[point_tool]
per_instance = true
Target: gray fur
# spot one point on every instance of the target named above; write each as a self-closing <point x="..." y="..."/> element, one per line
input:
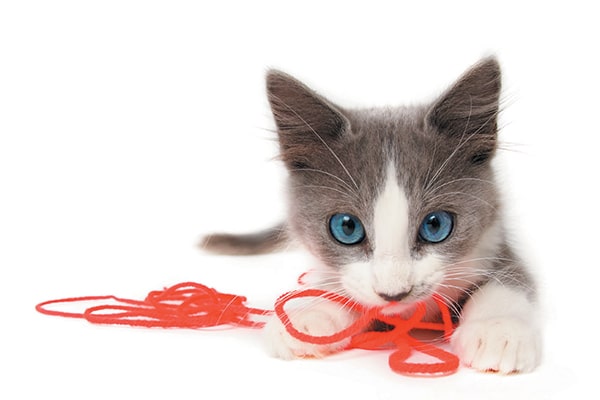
<point x="337" y="160"/>
<point x="263" y="242"/>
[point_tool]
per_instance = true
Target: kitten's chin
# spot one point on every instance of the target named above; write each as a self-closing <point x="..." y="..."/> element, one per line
<point x="387" y="307"/>
<point x="398" y="308"/>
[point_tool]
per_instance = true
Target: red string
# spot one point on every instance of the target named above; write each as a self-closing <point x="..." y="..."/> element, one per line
<point x="185" y="305"/>
<point x="370" y="340"/>
<point x="193" y="305"/>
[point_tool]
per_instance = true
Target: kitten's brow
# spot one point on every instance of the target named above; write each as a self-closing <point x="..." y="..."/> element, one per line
<point x="463" y="194"/>
<point x="349" y="195"/>
<point x="328" y="174"/>
<point x="435" y="189"/>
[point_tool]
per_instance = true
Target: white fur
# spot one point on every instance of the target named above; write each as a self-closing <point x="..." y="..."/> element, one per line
<point x="391" y="249"/>
<point x="391" y="270"/>
<point x="390" y="219"/>
<point x="499" y="331"/>
<point x="320" y="319"/>
<point x="499" y="328"/>
<point x="460" y="275"/>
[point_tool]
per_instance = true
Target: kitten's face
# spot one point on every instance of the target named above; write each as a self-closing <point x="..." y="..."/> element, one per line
<point x="392" y="200"/>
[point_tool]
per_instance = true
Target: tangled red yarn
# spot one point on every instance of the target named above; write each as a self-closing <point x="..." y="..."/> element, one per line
<point x="185" y="305"/>
<point x="193" y="305"/>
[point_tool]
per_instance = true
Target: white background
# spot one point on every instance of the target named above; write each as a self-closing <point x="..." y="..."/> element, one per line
<point x="128" y="129"/>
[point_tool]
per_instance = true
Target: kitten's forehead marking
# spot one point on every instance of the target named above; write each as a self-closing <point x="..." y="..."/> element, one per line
<point x="391" y="219"/>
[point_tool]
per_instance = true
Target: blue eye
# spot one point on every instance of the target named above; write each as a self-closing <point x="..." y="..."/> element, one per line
<point x="436" y="227"/>
<point x="346" y="229"/>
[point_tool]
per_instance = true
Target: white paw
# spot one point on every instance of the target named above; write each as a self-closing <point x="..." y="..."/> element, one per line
<point x="503" y="344"/>
<point x="323" y="320"/>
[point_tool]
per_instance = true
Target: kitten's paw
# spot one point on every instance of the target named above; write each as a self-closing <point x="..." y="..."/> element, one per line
<point x="320" y="321"/>
<point x="504" y="344"/>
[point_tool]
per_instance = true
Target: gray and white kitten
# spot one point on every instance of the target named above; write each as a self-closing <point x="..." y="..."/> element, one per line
<point x="397" y="204"/>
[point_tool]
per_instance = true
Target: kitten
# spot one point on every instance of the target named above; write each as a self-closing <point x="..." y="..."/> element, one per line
<point x="398" y="204"/>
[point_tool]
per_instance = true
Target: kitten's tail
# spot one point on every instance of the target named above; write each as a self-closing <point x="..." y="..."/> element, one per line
<point x="263" y="242"/>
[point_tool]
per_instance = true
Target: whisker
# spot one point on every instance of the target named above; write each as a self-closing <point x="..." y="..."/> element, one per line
<point x="502" y="276"/>
<point x="449" y="302"/>
<point x="327" y="174"/>
<point x="464" y="194"/>
<point x="435" y="189"/>
<point x="321" y="139"/>
<point x="349" y="195"/>
<point x="461" y="143"/>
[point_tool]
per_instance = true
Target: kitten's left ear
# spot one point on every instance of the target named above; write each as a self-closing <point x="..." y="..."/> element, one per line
<point x="307" y="123"/>
<point x="469" y="109"/>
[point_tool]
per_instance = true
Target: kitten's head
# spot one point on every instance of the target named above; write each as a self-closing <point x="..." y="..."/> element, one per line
<point x="391" y="199"/>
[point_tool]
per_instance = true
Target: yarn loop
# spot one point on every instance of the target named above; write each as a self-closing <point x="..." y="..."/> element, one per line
<point x="193" y="305"/>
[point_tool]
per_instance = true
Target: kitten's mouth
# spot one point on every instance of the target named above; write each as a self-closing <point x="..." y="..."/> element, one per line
<point x="397" y="297"/>
<point x="399" y="302"/>
<point x="408" y="303"/>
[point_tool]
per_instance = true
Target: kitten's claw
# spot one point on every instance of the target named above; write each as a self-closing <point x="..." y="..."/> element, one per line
<point x="504" y="344"/>
<point x="323" y="320"/>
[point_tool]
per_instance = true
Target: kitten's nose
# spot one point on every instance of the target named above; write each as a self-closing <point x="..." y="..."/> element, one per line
<point x="393" y="297"/>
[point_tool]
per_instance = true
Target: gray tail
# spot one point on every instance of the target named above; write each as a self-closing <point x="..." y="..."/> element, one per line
<point x="263" y="242"/>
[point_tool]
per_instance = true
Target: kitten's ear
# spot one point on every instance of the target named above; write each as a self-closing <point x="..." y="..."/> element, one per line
<point x="306" y="122"/>
<point x="469" y="109"/>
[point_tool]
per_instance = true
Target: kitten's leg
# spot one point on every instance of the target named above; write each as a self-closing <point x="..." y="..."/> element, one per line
<point x="322" y="319"/>
<point x="499" y="331"/>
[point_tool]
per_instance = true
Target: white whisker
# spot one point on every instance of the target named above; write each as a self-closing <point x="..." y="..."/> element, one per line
<point x="463" y="194"/>
<point x="435" y="189"/>
<point x="349" y="195"/>
<point x="460" y="144"/>
<point x="321" y="139"/>
<point x="327" y="174"/>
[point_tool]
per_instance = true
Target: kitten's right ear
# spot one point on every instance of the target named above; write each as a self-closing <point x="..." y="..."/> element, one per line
<point x="472" y="103"/>
<point x="469" y="109"/>
<point x="307" y="123"/>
